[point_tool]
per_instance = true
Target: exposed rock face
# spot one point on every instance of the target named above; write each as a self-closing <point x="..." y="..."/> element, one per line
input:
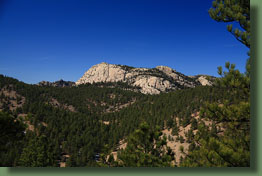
<point x="204" y="81"/>
<point x="60" y="83"/>
<point x="151" y="81"/>
<point x="13" y="101"/>
<point x="103" y="73"/>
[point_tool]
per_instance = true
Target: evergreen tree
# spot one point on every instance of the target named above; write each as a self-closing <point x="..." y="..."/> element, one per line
<point x="36" y="153"/>
<point x="194" y="124"/>
<point x="145" y="148"/>
<point x="230" y="11"/>
<point x="170" y="123"/>
<point x="11" y="136"/>
<point x="231" y="146"/>
<point x="11" y="129"/>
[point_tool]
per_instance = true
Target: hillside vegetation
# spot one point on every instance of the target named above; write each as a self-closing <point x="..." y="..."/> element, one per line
<point x="113" y="124"/>
<point x="98" y="119"/>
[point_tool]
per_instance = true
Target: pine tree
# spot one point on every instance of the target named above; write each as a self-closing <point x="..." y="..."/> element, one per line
<point x="11" y="129"/>
<point x="36" y="153"/>
<point x="146" y="148"/>
<point x="11" y="137"/>
<point x="170" y="123"/>
<point x="233" y="11"/>
<point x="229" y="147"/>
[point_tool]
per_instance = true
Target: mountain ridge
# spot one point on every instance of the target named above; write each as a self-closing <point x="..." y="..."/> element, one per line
<point x="59" y="83"/>
<point x="150" y="80"/>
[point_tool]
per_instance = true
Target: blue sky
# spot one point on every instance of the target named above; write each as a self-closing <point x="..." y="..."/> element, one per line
<point x="61" y="39"/>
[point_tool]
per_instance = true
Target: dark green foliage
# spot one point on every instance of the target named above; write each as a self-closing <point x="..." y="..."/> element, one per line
<point x="11" y="136"/>
<point x="126" y="67"/>
<point x="37" y="153"/>
<point x="175" y="130"/>
<point x="10" y="128"/>
<point x="227" y="142"/>
<point x="190" y="136"/>
<point x="186" y="120"/>
<point x="170" y="123"/>
<point x="230" y="11"/>
<point x="194" y="124"/>
<point x="232" y="147"/>
<point x="81" y="133"/>
<point x="145" y="148"/>
<point x="192" y="147"/>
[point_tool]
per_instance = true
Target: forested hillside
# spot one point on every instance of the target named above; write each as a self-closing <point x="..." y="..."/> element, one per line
<point x="74" y="124"/>
<point x="111" y="125"/>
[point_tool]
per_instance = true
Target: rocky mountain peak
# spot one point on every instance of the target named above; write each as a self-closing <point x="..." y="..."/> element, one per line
<point x="165" y="69"/>
<point x="150" y="80"/>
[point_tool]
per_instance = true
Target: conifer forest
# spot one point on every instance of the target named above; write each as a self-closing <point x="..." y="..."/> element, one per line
<point x="112" y="125"/>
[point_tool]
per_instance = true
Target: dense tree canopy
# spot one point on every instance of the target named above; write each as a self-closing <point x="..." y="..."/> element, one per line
<point x="11" y="136"/>
<point x="97" y="119"/>
<point x="145" y="148"/>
